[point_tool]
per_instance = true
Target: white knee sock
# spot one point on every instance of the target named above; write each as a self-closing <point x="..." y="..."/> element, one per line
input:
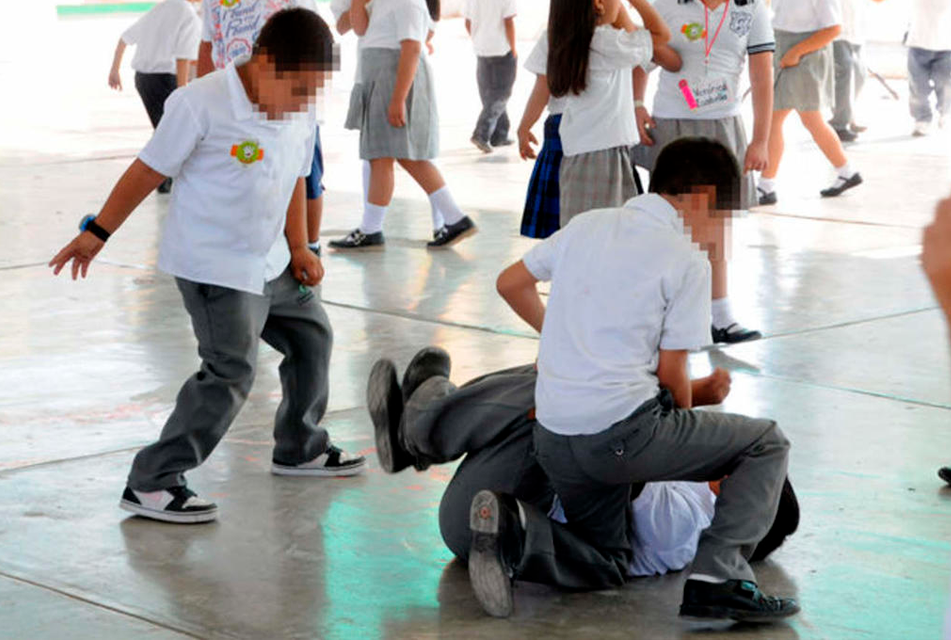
<point x="443" y="202"/>
<point x="372" y="218"/>
<point x="438" y="220"/>
<point x="767" y="185"/>
<point x="722" y="313"/>
<point x="845" y="171"/>
<point x="366" y="181"/>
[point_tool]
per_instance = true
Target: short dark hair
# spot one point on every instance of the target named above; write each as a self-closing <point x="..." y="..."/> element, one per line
<point x="297" y="39"/>
<point x="571" y="27"/>
<point x="435" y="9"/>
<point x="689" y="163"/>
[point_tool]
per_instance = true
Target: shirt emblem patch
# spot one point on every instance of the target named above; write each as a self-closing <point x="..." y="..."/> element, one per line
<point x="247" y="152"/>
<point x="230" y="3"/>
<point x="693" y="31"/>
<point x="741" y="22"/>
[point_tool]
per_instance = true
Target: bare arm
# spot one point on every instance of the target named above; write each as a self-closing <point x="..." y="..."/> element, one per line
<point x="643" y="117"/>
<point x="114" y="80"/>
<point x="517" y="286"/>
<point x="667" y="58"/>
<point x="711" y="390"/>
<point x="182" y="68"/>
<point x="533" y="111"/>
<point x="761" y="82"/>
<point x="359" y="17"/>
<point x="672" y="375"/>
<point x="510" y="34"/>
<point x="813" y="43"/>
<point x="205" y="64"/>
<point x="343" y="24"/>
<point x="405" y="75"/>
<point x="306" y="266"/>
<point x="660" y="33"/>
<point x="469" y="26"/>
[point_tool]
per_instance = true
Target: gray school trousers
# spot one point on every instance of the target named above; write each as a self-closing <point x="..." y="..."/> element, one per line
<point x="228" y="325"/>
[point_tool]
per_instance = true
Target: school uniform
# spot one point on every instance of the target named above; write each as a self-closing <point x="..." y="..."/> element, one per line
<point x="496" y="67"/>
<point x="223" y="241"/>
<point x="541" y="216"/>
<point x="929" y="58"/>
<point x="810" y="85"/>
<point x="850" y="70"/>
<point x="232" y="30"/>
<point x="392" y="22"/>
<point x="703" y="99"/>
<point x="598" y="127"/>
<point x="169" y="32"/>
<point x="627" y="283"/>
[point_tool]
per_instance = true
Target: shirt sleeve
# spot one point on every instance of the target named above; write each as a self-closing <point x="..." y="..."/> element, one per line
<point x="761" y="38"/>
<point x="134" y="33"/>
<point x="537" y="62"/>
<point x="176" y="137"/>
<point x="469" y="10"/>
<point x="687" y="317"/>
<point x="511" y="9"/>
<point x="622" y="49"/>
<point x="412" y="23"/>
<point x="829" y="14"/>
<point x="189" y="37"/>
<point x="207" y="28"/>
<point x="541" y="260"/>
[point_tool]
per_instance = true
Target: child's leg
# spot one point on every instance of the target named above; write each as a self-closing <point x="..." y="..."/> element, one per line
<point x="777" y="143"/>
<point x="315" y="195"/>
<point x="382" y="183"/>
<point x="484" y="123"/>
<point x="506" y="82"/>
<point x="941" y="75"/>
<point x="154" y="89"/>
<point x="825" y="137"/>
<point x="228" y="325"/>
<point x="919" y="84"/>
<point x="315" y="213"/>
<point x="430" y="179"/>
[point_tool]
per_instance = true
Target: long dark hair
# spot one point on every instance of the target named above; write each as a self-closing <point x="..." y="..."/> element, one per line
<point x="435" y="9"/>
<point x="571" y="26"/>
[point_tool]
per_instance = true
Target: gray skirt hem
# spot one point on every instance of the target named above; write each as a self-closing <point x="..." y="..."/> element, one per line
<point x="595" y="180"/>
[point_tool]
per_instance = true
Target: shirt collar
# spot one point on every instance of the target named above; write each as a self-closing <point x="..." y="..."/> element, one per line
<point x="657" y="210"/>
<point x="240" y="103"/>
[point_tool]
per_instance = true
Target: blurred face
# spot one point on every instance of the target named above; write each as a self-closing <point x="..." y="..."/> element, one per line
<point x="281" y="93"/>
<point x="707" y="224"/>
<point x="607" y="10"/>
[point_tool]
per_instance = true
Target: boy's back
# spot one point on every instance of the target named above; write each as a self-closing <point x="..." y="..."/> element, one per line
<point x="488" y="25"/>
<point x="169" y="31"/>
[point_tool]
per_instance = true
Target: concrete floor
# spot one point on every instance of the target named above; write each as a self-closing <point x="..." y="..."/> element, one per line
<point x="854" y="366"/>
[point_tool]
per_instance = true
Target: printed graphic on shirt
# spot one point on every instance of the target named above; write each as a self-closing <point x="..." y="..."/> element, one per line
<point x="741" y="23"/>
<point x="236" y="25"/>
<point x="230" y="3"/>
<point x="247" y="152"/>
<point x="693" y="31"/>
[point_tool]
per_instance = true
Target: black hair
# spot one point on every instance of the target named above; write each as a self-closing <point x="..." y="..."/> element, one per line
<point x="435" y="9"/>
<point x="297" y="39"/>
<point x="689" y="163"/>
<point x="739" y="3"/>
<point x="570" y="29"/>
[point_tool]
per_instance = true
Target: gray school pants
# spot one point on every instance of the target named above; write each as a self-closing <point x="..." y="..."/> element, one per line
<point x="850" y="72"/>
<point x="228" y="325"/>
<point x="928" y="70"/>
<point x="592" y="476"/>
<point x="496" y="77"/>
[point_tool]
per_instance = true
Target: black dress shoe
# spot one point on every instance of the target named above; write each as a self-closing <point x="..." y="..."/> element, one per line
<point x="385" y="403"/>
<point x="357" y="240"/>
<point x="427" y="363"/>
<point x="733" y="334"/>
<point x="733" y="600"/>
<point x="846" y="135"/>
<point x="453" y="233"/>
<point x="166" y="186"/>
<point x="842" y="185"/>
<point x="767" y="198"/>
<point x="945" y="474"/>
<point x="496" y="548"/>
<point x="784" y="524"/>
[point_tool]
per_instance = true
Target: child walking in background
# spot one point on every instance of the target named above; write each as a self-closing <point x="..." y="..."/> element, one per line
<point x="593" y="49"/>
<point x="929" y="62"/>
<point x="394" y="108"/>
<point x="166" y="42"/>
<point x="804" y="83"/>
<point x="491" y="23"/>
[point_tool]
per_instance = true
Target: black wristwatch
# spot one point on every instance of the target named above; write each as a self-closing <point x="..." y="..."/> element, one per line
<point x="89" y="224"/>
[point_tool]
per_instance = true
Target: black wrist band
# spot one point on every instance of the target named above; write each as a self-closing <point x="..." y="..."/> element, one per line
<point x="89" y="224"/>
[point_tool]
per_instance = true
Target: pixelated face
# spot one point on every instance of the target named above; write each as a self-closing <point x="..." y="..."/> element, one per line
<point x="709" y="227"/>
<point x="285" y="92"/>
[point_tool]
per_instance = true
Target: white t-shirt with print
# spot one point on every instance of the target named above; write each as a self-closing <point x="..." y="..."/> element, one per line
<point x="394" y="21"/>
<point x="930" y="25"/>
<point x="805" y="16"/>
<point x="537" y="63"/>
<point x="232" y="26"/>
<point x="235" y="172"/>
<point x="602" y="116"/>
<point x="746" y="30"/>
<point x="626" y="283"/>
<point x="487" y="18"/>
<point x="170" y="31"/>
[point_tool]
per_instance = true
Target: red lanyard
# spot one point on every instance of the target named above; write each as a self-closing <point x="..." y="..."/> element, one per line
<point x="706" y="29"/>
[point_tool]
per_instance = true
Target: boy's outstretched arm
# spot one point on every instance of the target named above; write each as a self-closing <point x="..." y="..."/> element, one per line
<point x="517" y="286"/>
<point x="136" y="183"/>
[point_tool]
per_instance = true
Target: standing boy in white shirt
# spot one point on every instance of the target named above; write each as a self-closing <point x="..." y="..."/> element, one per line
<point x="929" y="62"/>
<point x="630" y="298"/>
<point x="239" y="142"/>
<point x="166" y="41"/>
<point x="491" y="23"/>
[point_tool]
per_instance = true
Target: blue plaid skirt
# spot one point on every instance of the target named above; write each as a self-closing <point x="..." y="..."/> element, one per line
<point x="542" y="210"/>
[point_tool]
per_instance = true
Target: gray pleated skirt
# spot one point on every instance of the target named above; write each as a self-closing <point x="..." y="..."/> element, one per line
<point x="809" y="86"/>
<point x="729" y="131"/>
<point x="369" y="107"/>
<point x="595" y="180"/>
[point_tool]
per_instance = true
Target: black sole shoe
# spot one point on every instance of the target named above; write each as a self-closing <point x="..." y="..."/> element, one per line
<point x="453" y="233"/>
<point x="491" y="579"/>
<point x="766" y="199"/>
<point x="356" y="240"/>
<point x="733" y="334"/>
<point x="738" y="600"/>
<point x="166" y="186"/>
<point x="842" y="186"/>
<point x="385" y="403"/>
<point x="945" y="474"/>
<point x="427" y="363"/>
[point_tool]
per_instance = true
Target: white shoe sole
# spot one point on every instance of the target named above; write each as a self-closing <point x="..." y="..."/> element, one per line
<point x="281" y="470"/>
<point x="165" y="516"/>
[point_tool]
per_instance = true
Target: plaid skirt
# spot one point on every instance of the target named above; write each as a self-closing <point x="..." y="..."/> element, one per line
<point x="541" y="216"/>
<point x="596" y="180"/>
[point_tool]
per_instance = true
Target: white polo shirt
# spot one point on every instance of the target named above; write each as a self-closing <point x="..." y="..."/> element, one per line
<point x="394" y="21"/>
<point x="170" y="31"/>
<point x="487" y="19"/>
<point x="537" y="63"/>
<point x="602" y="117"/>
<point x="930" y="25"/>
<point x="854" y="22"/>
<point x="235" y="172"/>
<point x="232" y="26"/>
<point x="806" y="16"/>
<point x="745" y="30"/>
<point x="626" y="282"/>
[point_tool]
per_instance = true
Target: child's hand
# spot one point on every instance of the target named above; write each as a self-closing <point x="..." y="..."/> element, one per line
<point x="791" y="59"/>
<point x="81" y="251"/>
<point x="644" y="124"/>
<point x="397" y="113"/>
<point x="525" y="141"/>
<point x="306" y="266"/>
<point x="936" y="254"/>
<point x="114" y="80"/>
<point x="757" y="157"/>
<point x="719" y="385"/>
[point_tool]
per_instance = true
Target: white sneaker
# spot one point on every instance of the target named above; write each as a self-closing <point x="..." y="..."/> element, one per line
<point x="177" y="504"/>
<point x="921" y="129"/>
<point x="332" y="463"/>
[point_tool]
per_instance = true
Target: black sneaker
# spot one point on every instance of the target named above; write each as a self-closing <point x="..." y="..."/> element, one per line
<point x="179" y="505"/>
<point x="357" y="240"/>
<point x="495" y="551"/>
<point x="166" y="186"/>
<point x="481" y="145"/>
<point x="766" y="197"/>
<point x="733" y="600"/>
<point x="453" y="233"/>
<point x="332" y="463"/>
<point x="427" y="363"/>
<point x="945" y="474"/>
<point x="784" y="524"/>
<point x="385" y="403"/>
<point x="733" y="334"/>
<point x="842" y="185"/>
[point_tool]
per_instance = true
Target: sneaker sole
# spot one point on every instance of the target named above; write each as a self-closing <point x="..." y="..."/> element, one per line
<point x="384" y="397"/>
<point x="164" y="516"/>
<point x="492" y="586"/>
<point x="459" y="238"/>
<point x="343" y="472"/>
<point x="700" y="613"/>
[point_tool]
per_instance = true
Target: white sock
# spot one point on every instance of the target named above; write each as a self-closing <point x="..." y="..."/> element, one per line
<point x="366" y="181"/>
<point x="702" y="577"/>
<point x="443" y="202"/>
<point x="767" y="185"/>
<point x="722" y="313"/>
<point x="372" y="218"/>
<point x="438" y="220"/>
<point x="845" y="171"/>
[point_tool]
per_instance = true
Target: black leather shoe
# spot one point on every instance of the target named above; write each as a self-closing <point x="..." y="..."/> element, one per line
<point x="784" y="524"/>
<point x="733" y="334"/>
<point x="846" y="135"/>
<point x="497" y="539"/>
<point x="945" y="474"/>
<point x="767" y="198"/>
<point x="503" y="142"/>
<point x="453" y="233"/>
<point x="357" y="240"/>
<point x="428" y="362"/>
<point x="733" y="600"/>
<point x="841" y="186"/>
<point x="385" y="403"/>
<point x="166" y="186"/>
